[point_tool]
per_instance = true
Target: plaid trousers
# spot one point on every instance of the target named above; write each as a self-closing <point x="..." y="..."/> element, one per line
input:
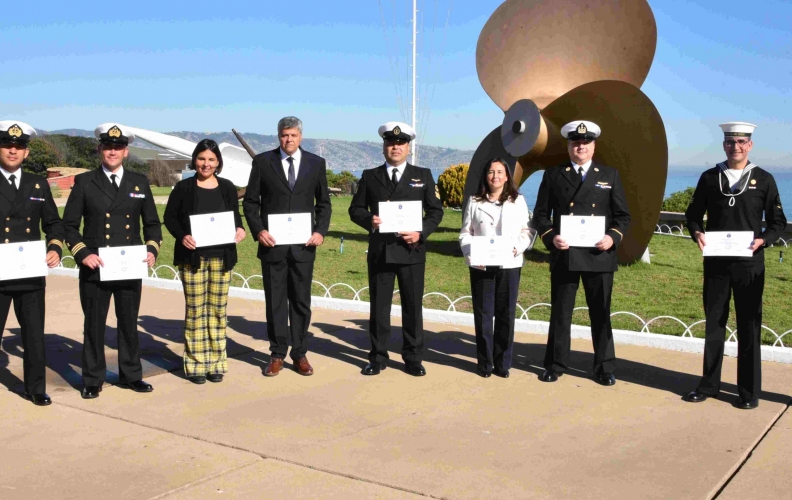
<point x="206" y="298"/>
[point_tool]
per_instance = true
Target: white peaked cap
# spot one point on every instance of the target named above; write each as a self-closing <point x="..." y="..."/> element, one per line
<point x="581" y="129"/>
<point x="396" y="130"/>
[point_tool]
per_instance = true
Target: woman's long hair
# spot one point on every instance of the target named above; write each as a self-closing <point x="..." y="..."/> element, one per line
<point x="208" y="145"/>
<point x="509" y="192"/>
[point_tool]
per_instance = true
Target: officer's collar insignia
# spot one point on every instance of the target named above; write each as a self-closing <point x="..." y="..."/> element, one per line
<point x="568" y="169"/>
<point x="397" y="130"/>
<point x="37" y="186"/>
<point x="114" y="132"/>
<point x="137" y="188"/>
<point x="596" y="169"/>
<point x="582" y="128"/>
<point x="15" y="131"/>
<point x="753" y="182"/>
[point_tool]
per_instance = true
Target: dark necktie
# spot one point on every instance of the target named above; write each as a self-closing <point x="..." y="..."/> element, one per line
<point x="113" y="178"/>
<point x="12" y="178"/>
<point x="580" y="175"/>
<point x="292" y="179"/>
<point x="394" y="179"/>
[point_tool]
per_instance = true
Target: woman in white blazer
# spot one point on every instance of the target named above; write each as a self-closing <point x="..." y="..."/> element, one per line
<point x="497" y="209"/>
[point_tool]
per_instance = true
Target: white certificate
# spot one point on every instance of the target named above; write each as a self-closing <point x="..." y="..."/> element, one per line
<point x="213" y="229"/>
<point x="23" y="260"/>
<point x="728" y="243"/>
<point x="123" y="263"/>
<point x="290" y="229"/>
<point x="491" y="250"/>
<point x="398" y="216"/>
<point x="582" y="230"/>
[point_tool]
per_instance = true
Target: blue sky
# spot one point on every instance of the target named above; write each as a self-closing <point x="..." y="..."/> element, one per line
<point x="210" y="66"/>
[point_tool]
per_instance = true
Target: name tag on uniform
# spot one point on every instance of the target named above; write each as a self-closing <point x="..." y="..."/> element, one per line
<point x="135" y="195"/>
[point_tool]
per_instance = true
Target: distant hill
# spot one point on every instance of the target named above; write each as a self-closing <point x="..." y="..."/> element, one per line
<point x="340" y="155"/>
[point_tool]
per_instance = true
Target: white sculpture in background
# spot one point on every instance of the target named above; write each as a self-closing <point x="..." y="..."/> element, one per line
<point x="237" y="163"/>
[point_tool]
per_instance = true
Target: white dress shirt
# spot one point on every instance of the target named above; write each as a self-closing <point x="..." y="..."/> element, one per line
<point x="118" y="173"/>
<point x="399" y="168"/>
<point x="285" y="162"/>
<point x="585" y="168"/>
<point x="7" y="174"/>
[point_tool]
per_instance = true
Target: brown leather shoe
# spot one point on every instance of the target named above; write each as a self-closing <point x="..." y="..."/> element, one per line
<point x="274" y="367"/>
<point x="303" y="367"/>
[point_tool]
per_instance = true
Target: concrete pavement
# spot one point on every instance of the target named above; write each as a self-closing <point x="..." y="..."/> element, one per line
<point x="338" y="434"/>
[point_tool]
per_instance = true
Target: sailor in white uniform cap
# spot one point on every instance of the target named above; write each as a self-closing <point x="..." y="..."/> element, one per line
<point x="736" y="195"/>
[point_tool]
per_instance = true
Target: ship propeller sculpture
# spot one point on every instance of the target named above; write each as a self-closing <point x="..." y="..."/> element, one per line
<point x="548" y="62"/>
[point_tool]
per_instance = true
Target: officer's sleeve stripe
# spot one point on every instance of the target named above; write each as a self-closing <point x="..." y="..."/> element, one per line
<point x="154" y="244"/>
<point x="76" y="248"/>
<point x="617" y="231"/>
<point x="547" y="232"/>
<point x="55" y="242"/>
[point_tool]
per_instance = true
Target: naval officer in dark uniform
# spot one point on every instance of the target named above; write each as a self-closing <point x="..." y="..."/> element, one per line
<point x="394" y="256"/>
<point x="25" y="202"/>
<point x="735" y="195"/>
<point x="112" y="202"/>
<point x="585" y="188"/>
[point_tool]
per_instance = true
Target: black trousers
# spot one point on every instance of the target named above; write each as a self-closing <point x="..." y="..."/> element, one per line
<point x="746" y="281"/>
<point x="29" y="310"/>
<point x="287" y="292"/>
<point x="494" y="292"/>
<point x="95" y="300"/>
<point x="563" y="288"/>
<point x="411" y="287"/>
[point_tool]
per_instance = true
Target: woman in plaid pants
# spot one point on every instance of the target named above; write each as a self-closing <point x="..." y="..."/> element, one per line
<point x="205" y="270"/>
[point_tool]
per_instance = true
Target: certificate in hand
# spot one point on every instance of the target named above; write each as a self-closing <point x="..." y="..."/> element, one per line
<point x="491" y="250"/>
<point x="213" y="229"/>
<point x="728" y="243"/>
<point x="290" y="229"/>
<point x="23" y="260"/>
<point x="123" y="263"/>
<point x="582" y="230"/>
<point x="399" y="216"/>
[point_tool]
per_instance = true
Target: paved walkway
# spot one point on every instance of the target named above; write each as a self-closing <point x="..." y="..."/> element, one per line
<point x="338" y="434"/>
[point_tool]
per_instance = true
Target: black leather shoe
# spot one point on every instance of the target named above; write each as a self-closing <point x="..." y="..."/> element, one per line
<point x="373" y="368"/>
<point x="483" y="372"/>
<point x="696" y="397"/>
<point x="550" y="376"/>
<point x="39" y="399"/>
<point x="606" y="379"/>
<point x="747" y="404"/>
<point x="501" y="373"/>
<point x="215" y="377"/>
<point x="139" y="386"/>
<point x="197" y="379"/>
<point x="415" y="370"/>
<point x="91" y="391"/>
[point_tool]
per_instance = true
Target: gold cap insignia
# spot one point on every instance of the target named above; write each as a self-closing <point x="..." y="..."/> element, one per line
<point x="114" y="132"/>
<point x="582" y="128"/>
<point x="137" y="188"/>
<point x="37" y="186"/>
<point x="15" y="131"/>
<point x="397" y="130"/>
<point x="753" y="182"/>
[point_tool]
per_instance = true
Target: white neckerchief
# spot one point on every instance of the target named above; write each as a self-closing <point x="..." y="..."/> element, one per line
<point x="747" y="170"/>
<point x="285" y="162"/>
<point x="399" y="168"/>
<point x="118" y="173"/>
<point x="585" y="168"/>
<point x="8" y="174"/>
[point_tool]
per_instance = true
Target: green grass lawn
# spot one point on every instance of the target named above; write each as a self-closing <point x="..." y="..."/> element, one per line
<point x="161" y="191"/>
<point x="670" y="286"/>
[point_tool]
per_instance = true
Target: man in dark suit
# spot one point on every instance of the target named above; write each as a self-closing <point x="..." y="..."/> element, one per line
<point x="588" y="189"/>
<point x="26" y="201"/>
<point x="288" y="180"/>
<point x="111" y="201"/>
<point x="736" y="195"/>
<point x="399" y="256"/>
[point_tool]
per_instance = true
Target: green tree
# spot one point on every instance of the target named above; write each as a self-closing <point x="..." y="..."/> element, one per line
<point x="43" y="155"/>
<point x="343" y="181"/>
<point x="679" y="201"/>
<point x="451" y="185"/>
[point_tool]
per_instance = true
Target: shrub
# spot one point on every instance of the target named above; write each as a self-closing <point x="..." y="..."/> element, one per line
<point x="343" y="181"/>
<point x="451" y="185"/>
<point x="679" y="201"/>
<point x="43" y="155"/>
<point x="160" y="174"/>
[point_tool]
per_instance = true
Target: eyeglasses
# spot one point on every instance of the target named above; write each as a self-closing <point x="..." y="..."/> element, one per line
<point x="731" y="144"/>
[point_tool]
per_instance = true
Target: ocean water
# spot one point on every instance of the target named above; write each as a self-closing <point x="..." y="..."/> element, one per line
<point x="677" y="180"/>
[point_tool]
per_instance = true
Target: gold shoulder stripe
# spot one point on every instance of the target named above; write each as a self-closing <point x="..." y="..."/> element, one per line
<point x="154" y="244"/>
<point x="55" y="242"/>
<point x="545" y="233"/>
